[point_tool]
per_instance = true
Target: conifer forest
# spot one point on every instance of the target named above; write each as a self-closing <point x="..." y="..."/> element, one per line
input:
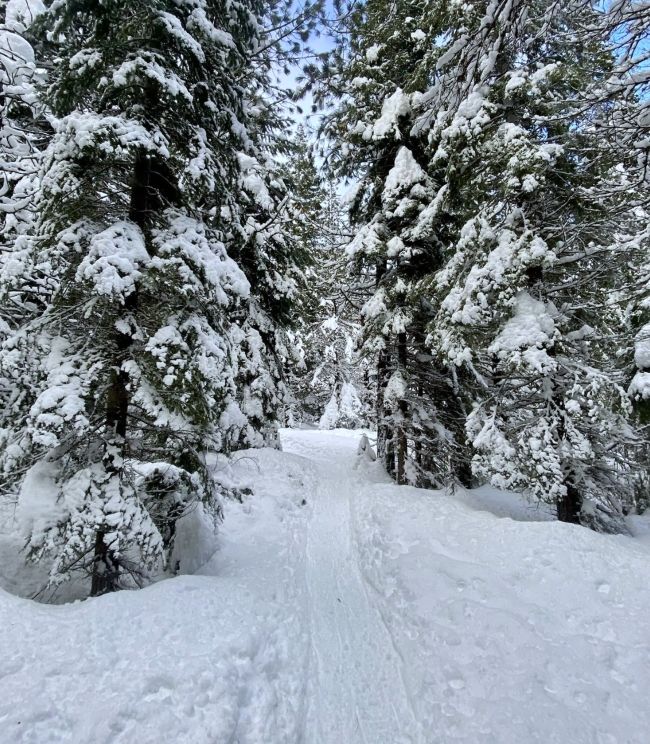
<point x="324" y="371"/>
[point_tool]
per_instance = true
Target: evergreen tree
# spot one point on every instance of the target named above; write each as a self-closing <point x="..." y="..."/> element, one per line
<point x="130" y="373"/>
<point x="494" y="216"/>
<point x="338" y="375"/>
<point x="23" y="133"/>
<point x="386" y="61"/>
<point x="525" y="298"/>
<point x="269" y="247"/>
<point x="23" y="129"/>
<point x="328" y="379"/>
<point x="626" y="25"/>
<point x="272" y="257"/>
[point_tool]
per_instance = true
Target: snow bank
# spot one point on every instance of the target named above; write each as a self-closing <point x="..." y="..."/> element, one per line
<point x="206" y="659"/>
<point x="512" y="631"/>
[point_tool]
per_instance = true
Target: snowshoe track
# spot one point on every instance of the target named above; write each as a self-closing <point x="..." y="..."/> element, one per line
<point x="356" y="689"/>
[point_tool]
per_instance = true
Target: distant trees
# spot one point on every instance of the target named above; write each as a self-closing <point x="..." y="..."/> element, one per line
<point x="329" y="380"/>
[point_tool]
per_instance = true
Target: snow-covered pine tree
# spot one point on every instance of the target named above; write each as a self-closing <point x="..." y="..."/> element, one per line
<point x="526" y="296"/>
<point x="128" y="375"/>
<point x="626" y="27"/>
<point x="268" y="247"/>
<point x="21" y="119"/>
<point x="272" y="260"/>
<point x="23" y="131"/>
<point x="388" y="55"/>
<point x="307" y="195"/>
<point x="639" y="388"/>
<point x="340" y="376"/>
<point x="626" y="123"/>
<point x="328" y="379"/>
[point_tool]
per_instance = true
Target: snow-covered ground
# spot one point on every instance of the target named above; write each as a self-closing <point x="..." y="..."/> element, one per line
<point x="341" y="609"/>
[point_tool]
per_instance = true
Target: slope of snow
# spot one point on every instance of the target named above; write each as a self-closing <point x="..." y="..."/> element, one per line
<point x="339" y="608"/>
<point x="514" y="631"/>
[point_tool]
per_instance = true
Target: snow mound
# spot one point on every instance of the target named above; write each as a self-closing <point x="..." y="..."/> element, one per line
<point x="512" y="631"/>
<point x="214" y="657"/>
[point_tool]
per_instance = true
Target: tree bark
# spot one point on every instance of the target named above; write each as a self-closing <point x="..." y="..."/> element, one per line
<point x="105" y="570"/>
<point x="401" y="443"/>
<point x="461" y="465"/>
<point x="570" y="505"/>
<point x="103" y="577"/>
<point x="382" y="368"/>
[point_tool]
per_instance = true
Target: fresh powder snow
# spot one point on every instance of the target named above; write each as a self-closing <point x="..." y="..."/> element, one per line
<point x="283" y="466"/>
<point x="338" y="608"/>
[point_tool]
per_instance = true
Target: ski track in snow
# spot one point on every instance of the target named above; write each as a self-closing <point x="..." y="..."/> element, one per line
<point x="342" y="609"/>
<point x="356" y="688"/>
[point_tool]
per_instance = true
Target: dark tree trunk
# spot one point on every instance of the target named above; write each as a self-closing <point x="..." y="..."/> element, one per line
<point x="382" y="370"/>
<point x="105" y="572"/>
<point x="464" y="472"/>
<point x="104" y="578"/>
<point x="382" y="363"/>
<point x="570" y="506"/>
<point x="389" y="454"/>
<point x="401" y="444"/>
<point x="461" y="464"/>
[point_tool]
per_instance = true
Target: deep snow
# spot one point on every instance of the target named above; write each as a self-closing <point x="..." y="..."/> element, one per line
<point x="371" y="614"/>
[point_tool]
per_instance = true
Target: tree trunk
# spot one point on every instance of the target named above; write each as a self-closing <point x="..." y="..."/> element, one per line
<point x="389" y="454"/>
<point x="104" y="578"/>
<point x="379" y="404"/>
<point x="464" y="473"/>
<point x="401" y="443"/>
<point x="105" y="571"/>
<point x="382" y="368"/>
<point x="461" y="464"/>
<point x="570" y="506"/>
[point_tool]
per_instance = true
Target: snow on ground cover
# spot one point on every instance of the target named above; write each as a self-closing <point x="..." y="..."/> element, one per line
<point x="372" y="613"/>
<point x="211" y="658"/>
<point x="512" y="631"/>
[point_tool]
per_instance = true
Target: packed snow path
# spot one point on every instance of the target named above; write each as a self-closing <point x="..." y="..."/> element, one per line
<point x="356" y="687"/>
<point x="338" y="608"/>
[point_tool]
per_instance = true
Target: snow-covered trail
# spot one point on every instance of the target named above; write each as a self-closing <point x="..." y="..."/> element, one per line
<point x="356" y="692"/>
<point x="335" y="607"/>
<point x="438" y="619"/>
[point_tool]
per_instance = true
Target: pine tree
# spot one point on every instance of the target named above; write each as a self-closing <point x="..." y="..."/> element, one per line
<point x="307" y="195"/>
<point x="272" y="258"/>
<point x="626" y="26"/>
<point x="23" y="128"/>
<point x="130" y="372"/>
<point x="328" y="380"/>
<point x="23" y="131"/>
<point x="525" y="298"/>
<point x="494" y="216"/>
<point x="269" y="247"/>
<point x="338" y="375"/>
<point x="384" y="68"/>
<point x="17" y="72"/>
